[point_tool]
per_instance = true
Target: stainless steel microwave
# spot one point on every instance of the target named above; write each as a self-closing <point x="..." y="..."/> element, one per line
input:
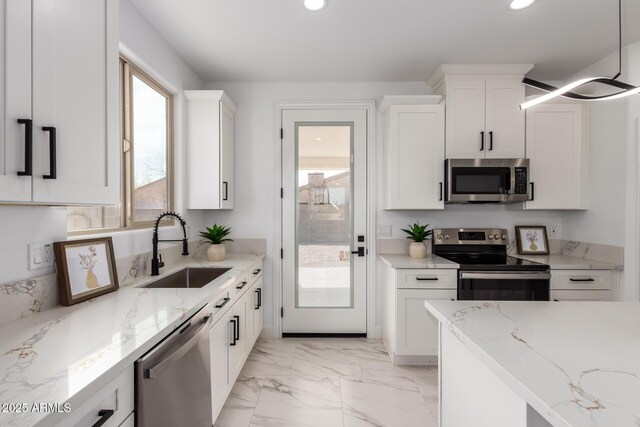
<point x="487" y="181"/>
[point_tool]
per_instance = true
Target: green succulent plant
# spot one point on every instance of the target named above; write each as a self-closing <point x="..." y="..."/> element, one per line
<point x="418" y="233"/>
<point x="216" y="234"/>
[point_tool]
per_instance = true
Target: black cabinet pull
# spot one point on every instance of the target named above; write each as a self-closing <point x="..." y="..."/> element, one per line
<point x="225" y="186"/>
<point x="237" y="332"/>
<point x="533" y="191"/>
<point x="241" y="285"/>
<point x="233" y="336"/>
<point x="257" y="271"/>
<point x="582" y="280"/>
<point x="441" y="192"/>
<point x="490" y="140"/>
<point x="426" y="278"/>
<point x="556" y="300"/>
<point x="28" y="147"/>
<point x="53" y="168"/>
<point x="224" y="302"/>
<point x="104" y="415"/>
<point x="482" y="141"/>
<point x="259" y="292"/>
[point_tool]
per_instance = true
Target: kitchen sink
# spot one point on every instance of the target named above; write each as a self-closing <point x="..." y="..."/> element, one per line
<point x="188" y="278"/>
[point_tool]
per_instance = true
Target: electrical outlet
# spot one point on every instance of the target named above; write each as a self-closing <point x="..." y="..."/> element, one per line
<point x="384" y="231"/>
<point x="554" y="231"/>
<point x="40" y="255"/>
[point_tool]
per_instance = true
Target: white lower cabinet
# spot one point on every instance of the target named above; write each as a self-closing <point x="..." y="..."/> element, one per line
<point x="129" y="422"/>
<point x="582" y="285"/>
<point x="112" y="403"/>
<point x="410" y="333"/>
<point x="232" y="337"/>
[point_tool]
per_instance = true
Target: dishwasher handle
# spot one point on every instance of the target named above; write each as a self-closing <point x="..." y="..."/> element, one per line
<point x="162" y="365"/>
<point x="505" y="276"/>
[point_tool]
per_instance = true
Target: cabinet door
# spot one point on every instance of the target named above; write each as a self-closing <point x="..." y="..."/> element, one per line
<point x="599" y="295"/>
<point x="257" y="309"/>
<point x="417" y="330"/>
<point x="504" y="119"/>
<point x="15" y="98"/>
<point x="557" y="149"/>
<point x="226" y="157"/>
<point x="76" y="91"/>
<point x="220" y="339"/>
<point x="414" y="156"/>
<point x="237" y="352"/>
<point x="465" y="119"/>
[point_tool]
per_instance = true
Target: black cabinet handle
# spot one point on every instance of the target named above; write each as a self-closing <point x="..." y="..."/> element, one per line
<point x="490" y="140"/>
<point x="533" y="191"/>
<point x="582" y="280"/>
<point x="259" y="292"/>
<point x="224" y="302"/>
<point x="441" y="192"/>
<point x="482" y="141"/>
<point x="225" y="186"/>
<point x="426" y="278"/>
<point x="233" y="336"/>
<point x="241" y="285"/>
<point x="104" y="415"/>
<point x="53" y="169"/>
<point x="257" y="271"/>
<point x="237" y="332"/>
<point x="28" y="147"/>
<point x="556" y="300"/>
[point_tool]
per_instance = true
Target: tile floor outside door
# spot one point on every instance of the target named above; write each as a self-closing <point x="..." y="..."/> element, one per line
<point x="329" y="382"/>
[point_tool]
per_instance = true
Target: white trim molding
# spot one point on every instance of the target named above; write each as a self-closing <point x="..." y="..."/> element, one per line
<point x="370" y="107"/>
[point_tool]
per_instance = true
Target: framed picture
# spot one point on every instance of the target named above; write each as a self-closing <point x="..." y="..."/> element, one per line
<point x="86" y="269"/>
<point x="532" y="240"/>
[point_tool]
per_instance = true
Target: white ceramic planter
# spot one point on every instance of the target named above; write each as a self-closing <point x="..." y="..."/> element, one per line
<point x="216" y="252"/>
<point x="418" y="250"/>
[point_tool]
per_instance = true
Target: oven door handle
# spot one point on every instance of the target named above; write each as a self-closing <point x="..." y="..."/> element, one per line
<point x="504" y="276"/>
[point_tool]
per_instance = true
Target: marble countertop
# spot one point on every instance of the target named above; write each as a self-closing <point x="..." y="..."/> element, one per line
<point x="405" y="261"/>
<point x="53" y="356"/>
<point x="575" y="363"/>
<point x="565" y="262"/>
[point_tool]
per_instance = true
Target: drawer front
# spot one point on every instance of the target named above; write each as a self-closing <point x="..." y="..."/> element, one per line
<point x="428" y="278"/>
<point x="116" y="396"/>
<point x="581" y="279"/>
<point x="598" y="295"/>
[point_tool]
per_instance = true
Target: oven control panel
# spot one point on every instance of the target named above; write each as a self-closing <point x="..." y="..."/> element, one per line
<point x="470" y="236"/>
<point x="521" y="180"/>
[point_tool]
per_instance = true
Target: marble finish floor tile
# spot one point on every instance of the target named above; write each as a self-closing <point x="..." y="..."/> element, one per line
<point x="391" y="402"/>
<point x="330" y="382"/>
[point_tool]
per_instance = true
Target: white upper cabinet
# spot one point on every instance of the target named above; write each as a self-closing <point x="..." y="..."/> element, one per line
<point x="210" y="127"/>
<point x="483" y="116"/>
<point x="557" y="145"/>
<point x="15" y="101"/>
<point x="61" y="79"/>
<point x="413" y="152"/>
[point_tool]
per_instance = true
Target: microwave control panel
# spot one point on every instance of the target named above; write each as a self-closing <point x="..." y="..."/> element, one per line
<point x="521" y="181"/>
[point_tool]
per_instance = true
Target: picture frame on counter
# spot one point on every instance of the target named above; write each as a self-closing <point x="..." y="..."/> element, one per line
<point x="86" y="269"/>
<point x="532" y="240"/>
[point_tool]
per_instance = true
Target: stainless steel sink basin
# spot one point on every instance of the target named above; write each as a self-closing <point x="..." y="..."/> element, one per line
<point x="188" y="278"/>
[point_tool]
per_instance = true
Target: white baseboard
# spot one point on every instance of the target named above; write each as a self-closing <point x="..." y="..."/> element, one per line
<point x="414" y="360"/>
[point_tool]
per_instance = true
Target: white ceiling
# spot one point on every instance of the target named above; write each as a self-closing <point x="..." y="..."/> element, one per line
<point x="385" y="40"/>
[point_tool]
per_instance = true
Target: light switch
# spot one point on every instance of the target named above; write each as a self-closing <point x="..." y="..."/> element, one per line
<point x="384" y="231"/>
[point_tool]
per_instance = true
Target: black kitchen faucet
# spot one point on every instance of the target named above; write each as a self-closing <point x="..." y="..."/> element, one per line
<point x="156" y="262"/>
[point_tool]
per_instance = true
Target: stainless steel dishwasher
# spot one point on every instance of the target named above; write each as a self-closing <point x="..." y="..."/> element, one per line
<point x="173" y="380"/>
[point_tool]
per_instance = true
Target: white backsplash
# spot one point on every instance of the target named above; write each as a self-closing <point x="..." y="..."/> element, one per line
<point x="20" y="299"/>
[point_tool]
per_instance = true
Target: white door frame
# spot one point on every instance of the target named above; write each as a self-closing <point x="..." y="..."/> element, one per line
<point x="370" y="108"/>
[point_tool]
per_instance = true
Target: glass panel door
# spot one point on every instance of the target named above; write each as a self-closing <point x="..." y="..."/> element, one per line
<point x="324" y="216"/>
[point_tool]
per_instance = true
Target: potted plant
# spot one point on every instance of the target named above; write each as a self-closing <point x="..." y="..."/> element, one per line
<point x="418" y="234"/>
<point x="216" y="236"/>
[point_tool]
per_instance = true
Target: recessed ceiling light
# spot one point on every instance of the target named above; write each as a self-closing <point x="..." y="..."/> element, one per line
<point x="318" y="139"/>
<point x="315" y="5"/>
<point x="521" y="4"/>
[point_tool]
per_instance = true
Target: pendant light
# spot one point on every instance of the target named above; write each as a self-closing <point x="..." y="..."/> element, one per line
<point x="566" y="91"/>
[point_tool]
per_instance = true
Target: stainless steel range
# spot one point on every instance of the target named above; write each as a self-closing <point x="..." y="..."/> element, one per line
<point x="486" y="271"/>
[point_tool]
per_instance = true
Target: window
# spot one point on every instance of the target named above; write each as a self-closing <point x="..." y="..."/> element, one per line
<point x="147" y="161"/>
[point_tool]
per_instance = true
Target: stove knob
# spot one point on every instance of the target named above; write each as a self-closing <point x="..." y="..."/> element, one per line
<point x="439" y="237"/>
<point x="446" y="237"/>
<point x="504" y="237"/>
<point x="490" y="236"/>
